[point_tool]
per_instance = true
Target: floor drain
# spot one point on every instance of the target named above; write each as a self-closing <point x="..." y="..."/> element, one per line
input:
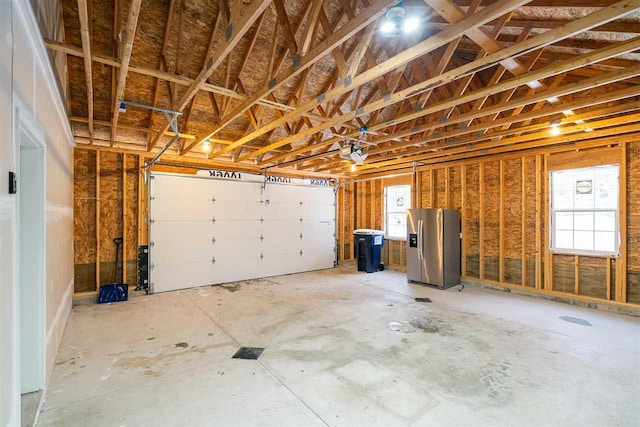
<point x="575" y="320"/>
<point x="249" y="353"/>
<point x="423" y="299"/>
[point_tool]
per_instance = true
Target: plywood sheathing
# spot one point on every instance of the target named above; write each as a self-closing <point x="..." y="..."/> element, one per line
<point x="471" y="233"/>
<point x="112" y="220"/>
<point x="524" y="202"/>
<point x="84" y="213"/>
<point x="189" y="32"/>
<point x="512" y="215"/>
<point x="633" y="222"/>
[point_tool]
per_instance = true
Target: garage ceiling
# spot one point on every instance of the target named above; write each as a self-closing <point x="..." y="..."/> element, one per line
<point x="277" y="82"/>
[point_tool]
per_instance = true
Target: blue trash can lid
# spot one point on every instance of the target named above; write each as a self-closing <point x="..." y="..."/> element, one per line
<point x="369" y="232"/>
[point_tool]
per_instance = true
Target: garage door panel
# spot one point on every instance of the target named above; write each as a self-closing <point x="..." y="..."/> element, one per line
<point x="226" y="230"/>
<point x="248" y="239"/>
<point x="182" y="252"/>
<point x="237" y="269"/>
<point x="181" y="276"/>
<point x="276" y="229"/>
<point x="172" y="209"/>
<point x="237" y="248"/>
<point x="171" y="231"/>
<point x="177" y="187"/>
<point x="236" y="210"/>
<point x="235" y="191"/>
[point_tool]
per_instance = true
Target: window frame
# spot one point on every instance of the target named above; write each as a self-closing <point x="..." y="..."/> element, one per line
<point x="386" y="212"/>
<point x="552" y="218"/>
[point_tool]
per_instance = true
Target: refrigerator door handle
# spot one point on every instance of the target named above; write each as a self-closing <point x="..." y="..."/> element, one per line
<point x="420" y="240"/>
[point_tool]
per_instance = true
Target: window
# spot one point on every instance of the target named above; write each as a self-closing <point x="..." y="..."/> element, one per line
<point x="584" y="210"/>
<point x="397" y="199"/>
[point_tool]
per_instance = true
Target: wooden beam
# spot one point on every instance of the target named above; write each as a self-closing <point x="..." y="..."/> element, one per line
<point x="124" y="219"/>
<point x="610" y="127"/>
<point x="463" y="225"/>
<point x="501" y="224"/>
<point x="181" y="80"/>
<point x="621" y="261"/>
<point x="162" y="62"/>
<point x="132" y="23"/>
<point x="481" y="221"/>
<point x="534" y="43"/>
<point x="235" y="31"/>
<point x="97" y="220"/>
<point x="523" y="221"/>
<point x="485" y="15"/>
<point x="452" y="13"/>
<point x="86" y="50"/>
<point x="540" y="249"/>
<point x="478" y="138"/>
<point x="366" y="17"/>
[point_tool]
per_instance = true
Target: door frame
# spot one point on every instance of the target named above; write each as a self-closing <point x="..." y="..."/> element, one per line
<point x="25" y="123"/>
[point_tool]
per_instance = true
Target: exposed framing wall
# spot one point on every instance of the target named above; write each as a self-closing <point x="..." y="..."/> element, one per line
<point x="504" y="202"/>
<point x="107" y="201"/>
<point x="361" y="205"/>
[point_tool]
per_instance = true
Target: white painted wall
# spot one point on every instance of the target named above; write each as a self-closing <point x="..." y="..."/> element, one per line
<point x="28" y="85"/>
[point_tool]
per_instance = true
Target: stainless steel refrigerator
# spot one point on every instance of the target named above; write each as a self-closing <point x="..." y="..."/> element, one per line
<point x="433" y="247"/>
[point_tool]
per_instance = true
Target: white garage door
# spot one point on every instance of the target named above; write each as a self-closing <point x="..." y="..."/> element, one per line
<point x="208" y="230"/>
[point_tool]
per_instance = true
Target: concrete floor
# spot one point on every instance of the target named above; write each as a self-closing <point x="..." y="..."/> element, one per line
<point x="332" y="357"/>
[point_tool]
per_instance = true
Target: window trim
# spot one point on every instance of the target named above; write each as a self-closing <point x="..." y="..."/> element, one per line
<point x="385" y="213"/>
<point x="584" y="252"/>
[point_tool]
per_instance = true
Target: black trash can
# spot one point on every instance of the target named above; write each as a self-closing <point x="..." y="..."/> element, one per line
<point x="368" y="245"/>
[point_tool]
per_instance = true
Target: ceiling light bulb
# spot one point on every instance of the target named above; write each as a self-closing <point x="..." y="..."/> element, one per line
<point x="387" y="27"/>
<point x="353" y="167"/>
<point x="411" y="24"/>
<point x="555" y="130"/>
<point x="206" y="145"/>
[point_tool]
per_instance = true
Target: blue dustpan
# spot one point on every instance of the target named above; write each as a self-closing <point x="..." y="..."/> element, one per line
<point x="115" y="292"/>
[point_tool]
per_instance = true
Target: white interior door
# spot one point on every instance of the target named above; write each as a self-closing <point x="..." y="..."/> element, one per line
<point x="208" y="231"/>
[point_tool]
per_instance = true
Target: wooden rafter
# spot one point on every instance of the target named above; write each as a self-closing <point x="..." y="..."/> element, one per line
<point x="130" y="33"/>
<point x="86" y="49"/>
<point x="235" y="31"/>
<point x="162" y="65"/>
<point x="597" y="18"/>
<point x="353" y="26"/>
<point x="485" y="15"/>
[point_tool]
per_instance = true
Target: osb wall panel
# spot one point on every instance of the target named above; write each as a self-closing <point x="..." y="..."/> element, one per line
<point x="84" y="190"/>
<point x="346" y="218"/>
<point x="512" y="221"/>
<point x="471" y="232"/>
<point x="491" y="220"/>
<point x="564" y="273"/>
<point x="361" y="205"/>
<point x="111" y="192"/>
<point x="131" y="217"/>
<point x="455" y="188"/>
<point x="425" y="183"/>
<point x="530" y="219"/>
<point x="440" y="186"/>
<point x="523" y="230"/>
<point x="114" y="221"/>
<point x="84" y="225"/>
<point x="592" y="277"/>
<point x="378" y="205"/>
<point x="633" y="222"/>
